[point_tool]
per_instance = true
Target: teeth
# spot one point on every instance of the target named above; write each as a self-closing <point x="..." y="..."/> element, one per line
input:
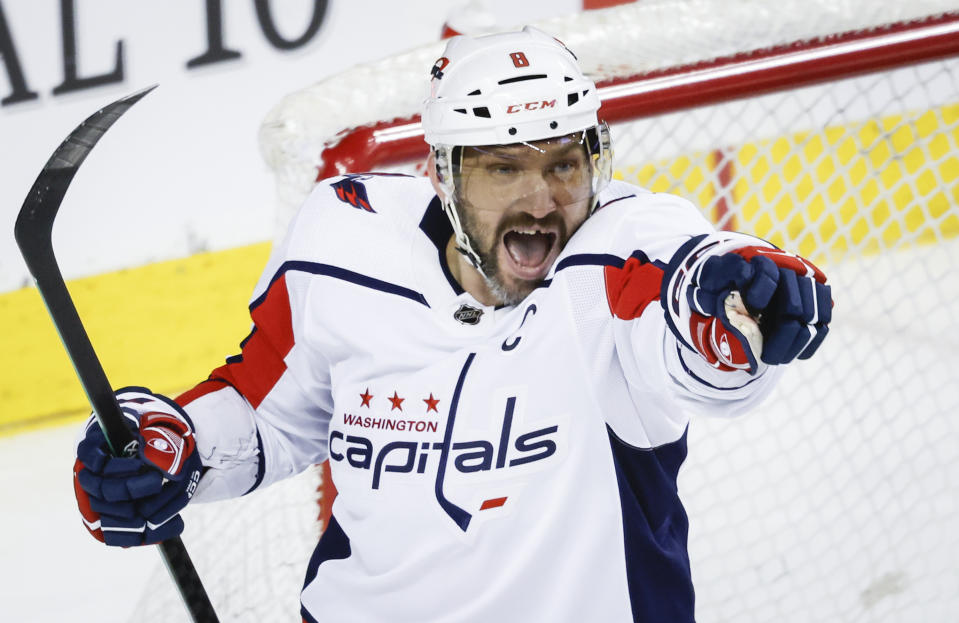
<point x="530" y="232"/>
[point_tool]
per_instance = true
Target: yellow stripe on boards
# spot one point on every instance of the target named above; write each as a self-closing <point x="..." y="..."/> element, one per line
<point x="164" y="326"/>
<point x="687" y="176"/>
<point x="861" y="188"/>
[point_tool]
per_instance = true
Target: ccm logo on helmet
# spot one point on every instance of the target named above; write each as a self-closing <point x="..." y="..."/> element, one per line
<point x="514" y="108"/>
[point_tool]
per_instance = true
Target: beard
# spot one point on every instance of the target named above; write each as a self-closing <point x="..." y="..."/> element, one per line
<point x="507" y="288"/>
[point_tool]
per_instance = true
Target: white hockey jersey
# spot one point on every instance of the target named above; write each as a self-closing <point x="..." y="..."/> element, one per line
<point x="493" y="464"/>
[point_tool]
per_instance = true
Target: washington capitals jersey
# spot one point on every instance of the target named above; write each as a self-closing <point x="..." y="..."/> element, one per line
<point x="492" y="463"/>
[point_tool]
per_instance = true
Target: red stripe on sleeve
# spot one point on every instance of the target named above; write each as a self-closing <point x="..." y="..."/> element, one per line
<point x="261" y="363"/>
<point x="631" y="288"/>
<point x="206" y="387"/>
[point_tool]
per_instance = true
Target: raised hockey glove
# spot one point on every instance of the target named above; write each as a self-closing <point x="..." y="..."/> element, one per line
<point x="136" y="499"/>
<point x="739" y="301"/>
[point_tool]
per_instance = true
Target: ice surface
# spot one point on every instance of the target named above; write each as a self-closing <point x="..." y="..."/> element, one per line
<point x="50" y="568"/>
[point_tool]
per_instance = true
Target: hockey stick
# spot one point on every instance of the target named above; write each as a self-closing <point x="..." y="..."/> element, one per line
<point x="34" y="234"/>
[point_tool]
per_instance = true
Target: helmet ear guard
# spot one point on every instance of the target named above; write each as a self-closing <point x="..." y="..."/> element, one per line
<point x="599" y="150"/>
<point x="448" y="160"/>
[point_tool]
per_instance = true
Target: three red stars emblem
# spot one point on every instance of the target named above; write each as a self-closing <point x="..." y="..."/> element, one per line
<point x="366" y="397"/>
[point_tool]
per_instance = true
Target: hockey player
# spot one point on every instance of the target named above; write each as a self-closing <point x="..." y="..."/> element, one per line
<point x="500" y="363"/>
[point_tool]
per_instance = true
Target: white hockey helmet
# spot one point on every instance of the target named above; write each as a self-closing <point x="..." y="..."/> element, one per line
<point x="504" y="89"/>
<point x="507" y="88"/>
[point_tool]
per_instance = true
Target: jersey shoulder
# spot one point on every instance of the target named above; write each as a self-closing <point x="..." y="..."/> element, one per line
<point x="360" y="222"/>
<point x="359" y="226"/>
<point x="629" y="218"/>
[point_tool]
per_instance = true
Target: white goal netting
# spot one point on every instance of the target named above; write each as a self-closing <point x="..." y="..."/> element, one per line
<point x="838" y="500"/>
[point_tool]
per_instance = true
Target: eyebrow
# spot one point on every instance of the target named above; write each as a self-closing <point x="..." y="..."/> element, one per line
<point x="511" y="151"/>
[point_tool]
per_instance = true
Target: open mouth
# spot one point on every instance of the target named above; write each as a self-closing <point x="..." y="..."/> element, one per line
<point x="530" y="251"/>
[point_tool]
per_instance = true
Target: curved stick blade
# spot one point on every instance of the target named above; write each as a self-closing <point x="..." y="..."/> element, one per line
<point x="43" y="201"/>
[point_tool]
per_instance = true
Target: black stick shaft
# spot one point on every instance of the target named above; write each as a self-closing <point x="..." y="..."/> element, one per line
<point x="34" y="234"/>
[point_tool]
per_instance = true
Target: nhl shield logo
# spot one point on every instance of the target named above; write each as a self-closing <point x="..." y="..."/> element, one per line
<point x="468" y="314"/>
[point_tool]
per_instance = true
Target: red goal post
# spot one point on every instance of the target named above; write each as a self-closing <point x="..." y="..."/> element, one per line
<point x="829" y="127"/>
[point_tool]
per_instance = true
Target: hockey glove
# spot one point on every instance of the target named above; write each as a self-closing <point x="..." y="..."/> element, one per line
<point x="739" y="301"/>
<point x="136" y="499"/>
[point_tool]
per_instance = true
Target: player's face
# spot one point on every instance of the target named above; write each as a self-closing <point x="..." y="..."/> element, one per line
<point x="520" y="204"/>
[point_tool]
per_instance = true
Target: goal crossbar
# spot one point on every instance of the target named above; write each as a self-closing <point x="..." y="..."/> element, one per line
<point x="748" y="74"/>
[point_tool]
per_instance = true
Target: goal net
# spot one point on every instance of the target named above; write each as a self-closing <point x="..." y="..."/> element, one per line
<point x="830" y="128"/>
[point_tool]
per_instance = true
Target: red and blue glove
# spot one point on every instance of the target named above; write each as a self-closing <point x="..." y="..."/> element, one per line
<point x="739" y="301"/>
<point x="136" y="500"/>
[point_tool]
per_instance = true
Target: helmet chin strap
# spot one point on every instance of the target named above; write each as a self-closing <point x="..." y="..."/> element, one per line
<point x="464" y="243"/>
<point x="444" y="156"/>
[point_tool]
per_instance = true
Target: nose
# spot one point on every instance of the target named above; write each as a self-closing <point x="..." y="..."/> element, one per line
<point x="537" y="198"/>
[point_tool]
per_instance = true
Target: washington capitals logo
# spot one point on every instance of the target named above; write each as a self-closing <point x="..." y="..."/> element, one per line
<point x="438" y="67"/>
<point x="410" y="452"/>
<point x="352" y="191"/>
<point x="508" y="449"/>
